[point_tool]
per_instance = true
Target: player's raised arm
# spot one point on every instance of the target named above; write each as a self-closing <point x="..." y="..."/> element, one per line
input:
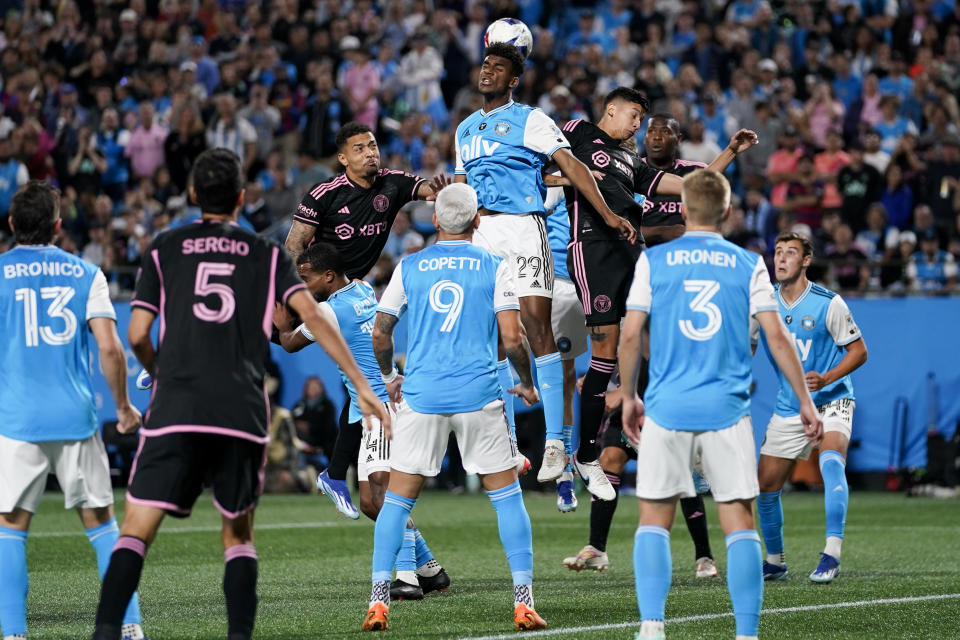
<point x="785" y="355"/>
<point x="741" y="141"/>
<point x="298" y="238"/>
<point x="332" y="342"/>
<point x="582" y="179"/>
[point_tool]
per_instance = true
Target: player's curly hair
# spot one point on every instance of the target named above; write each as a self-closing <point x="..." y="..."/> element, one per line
<point x="322" y="256"/>
<point x="507" y="51"/>
<point x="349" y="130"/>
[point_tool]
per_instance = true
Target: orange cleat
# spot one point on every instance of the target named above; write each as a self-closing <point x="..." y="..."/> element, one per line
<point x="376" y="619"/>
<point x="526" y="619"/>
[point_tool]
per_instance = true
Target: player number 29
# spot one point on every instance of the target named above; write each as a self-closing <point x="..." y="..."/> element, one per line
<point x="704" y="290"/>
<point x="60" y="297"/>
<point x="452" y="307"/>
<point x="203" y="288"/>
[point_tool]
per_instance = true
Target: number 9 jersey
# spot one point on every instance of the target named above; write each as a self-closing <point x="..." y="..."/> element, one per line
<point x="46" y="298"/>
<point x="213" y="287"/>
<point x="700" y="291"/>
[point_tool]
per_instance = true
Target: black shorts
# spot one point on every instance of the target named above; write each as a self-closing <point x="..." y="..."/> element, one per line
<point x="612" y="436"/>
<point x="170" y="471"/>
<point x="602" y="271"/>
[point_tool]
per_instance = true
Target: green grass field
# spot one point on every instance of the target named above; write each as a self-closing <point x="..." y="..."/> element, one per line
<point x="315" y="574"/>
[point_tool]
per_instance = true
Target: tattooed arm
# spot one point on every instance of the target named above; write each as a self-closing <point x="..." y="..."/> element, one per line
<point x="383" y="349"/>
<point x="298" y="238"/>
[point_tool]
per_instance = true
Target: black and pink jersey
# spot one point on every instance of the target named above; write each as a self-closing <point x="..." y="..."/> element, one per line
<point x="661" y="211"/>
<point x="354" y="219"/>
<point x="213" y="286"/>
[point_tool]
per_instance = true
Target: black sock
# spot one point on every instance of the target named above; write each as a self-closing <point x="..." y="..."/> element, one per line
<point x="601" y="516"/>
<point x="240" y="589"/>
<point x="119" y="583"/>
<point x="592" y="406"/>
<point x="347" y="446"/>
<point x="695" y="514"/>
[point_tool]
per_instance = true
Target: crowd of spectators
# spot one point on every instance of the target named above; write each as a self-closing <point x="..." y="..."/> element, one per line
<point x="855" y="103"/>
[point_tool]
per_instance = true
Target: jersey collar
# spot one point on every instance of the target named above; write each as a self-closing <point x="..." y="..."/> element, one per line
<point x="35" y="247"/>
<point x="452" y="242"/>
<point x="352" y="284"/>
<point x="798" y="300"/>
<point x="497" y="110"/>
<point x="703" y="234"/>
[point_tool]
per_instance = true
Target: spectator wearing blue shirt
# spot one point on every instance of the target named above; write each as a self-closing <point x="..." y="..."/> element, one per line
<point x="931" y="269"/>
<point x="719" y="125"/>
<point x="896" y="82"/>
<point x="587" y="35"/>
<point x="112" y="142"/>
<point x="745" y="12"/>
<point x="208" y="73"/>
<point x="847" y="86"/>
<point x="897" y="197"/>
<point x="615" y="15"/>
<point x="893" y="126"/>
<point x="13" y="175"/>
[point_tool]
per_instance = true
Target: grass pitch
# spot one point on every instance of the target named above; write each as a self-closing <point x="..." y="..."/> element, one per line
<point x="315" y="574"/>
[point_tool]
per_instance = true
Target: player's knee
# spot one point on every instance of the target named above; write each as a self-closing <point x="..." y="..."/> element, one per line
<point x="237" y="531"/>
<point x="612" y="460"/>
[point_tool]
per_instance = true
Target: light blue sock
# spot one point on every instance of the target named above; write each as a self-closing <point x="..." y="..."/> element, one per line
<point x="652" y="570"/>
<point x="745" y="579"/>
<point x="506" y="382"/>
<point x="424" y="554"/>
<point x="836" y="494"/>
<point x="388" y="534"/>
<point x="103" y="538"/>
<point x="550" y="381"/>
<point x="515" y="532"/>
<point x="13" y="585"/>
<point x="568" y="446"/>
<point x="770" y="510"/>
<point x="407" y="556"/>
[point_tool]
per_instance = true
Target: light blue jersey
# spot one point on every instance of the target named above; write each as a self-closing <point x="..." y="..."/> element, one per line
<point x="821" y="325"/>
<point x="700" y="292"/>
<point x="502" y="154"/>
<point x="352" y="310"/>
<point x="450" y="293"/>
<point x="47" y="296"/>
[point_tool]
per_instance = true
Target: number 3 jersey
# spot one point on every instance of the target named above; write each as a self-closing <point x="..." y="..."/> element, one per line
<point x="47" y="296"/>
<point x="450" y="293"/>
<point x="701" y="292"/>
<point x="213" y="287"/>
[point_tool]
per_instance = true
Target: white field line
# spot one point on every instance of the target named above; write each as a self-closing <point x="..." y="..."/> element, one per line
<point x="714" y="616"/>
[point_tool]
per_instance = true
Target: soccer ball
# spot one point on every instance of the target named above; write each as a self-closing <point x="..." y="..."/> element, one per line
<point x="511" y="31"/>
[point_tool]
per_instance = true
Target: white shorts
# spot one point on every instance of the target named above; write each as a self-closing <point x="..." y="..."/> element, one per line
<point x="785" y="437"/>
<point x="522" y="241"/>
<point x="80" y="465"/>
<point x="569" y="323"/>
<point x="727" y="458"/>
<point x="420" y="440"/>
<point x="374" y="452"/>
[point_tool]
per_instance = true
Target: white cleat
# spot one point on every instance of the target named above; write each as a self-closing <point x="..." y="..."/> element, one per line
<point x="589" y="558"/>
<point x="554" y="461"/>
<point x="706" y="568"/>
<point x="595" y="479"/>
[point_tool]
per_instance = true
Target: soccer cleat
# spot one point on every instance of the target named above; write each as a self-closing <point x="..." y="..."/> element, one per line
<point x="595" y="479"/>
<point x="589" y="558"/>
<point x="131" y="631"/>
<point x="523" y="464"/>
<point x="144" y="380"/>
<point x="554" y="460"/>
<point x="376" y="619"/>
<point x="526" y="619"/>
<point x="566" y="498"/>
<point x="438" y="582"/>
<point x="706" y="568"/>
<point x="400" y="590"/>
<point x="337" y="491"/>
<point x="651" y="630"/>
<point x="827" y="570"/>
<point x="774" y="571"/>
<point x="700" y="484"/>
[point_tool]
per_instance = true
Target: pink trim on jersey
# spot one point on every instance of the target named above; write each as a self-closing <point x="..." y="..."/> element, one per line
<point x="570" y="126"/>
<point x="656" y="178"/>
<point x="413" y="194"/>
<point x="580" y="275"/>
<point x="292" y="290"/>
<point x="603" y="367"/>
<point x="163" y="296"/>
<point x="576" y="214"/>
<point x="689" y="163"/>
<point x="240" y="551"/>
<point x="203" y="428"/>
<point x="136" y="545"/>
<point x="271" y="295"/>
<point x="145" y="305"/>
<point x="327" y="186"/>
<point x="390" y="172"/>
<point x="136" y="456"/>
<point x="158" y="504"/>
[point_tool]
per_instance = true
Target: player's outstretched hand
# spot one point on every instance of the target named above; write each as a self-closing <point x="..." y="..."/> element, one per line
<point x="371" y="405"/>
<point x="128" y="419"/>
<point x="812" y="422"/>
<point x="529" y="394"/>
<point x="742" y="140"/>
<point x="625" y="228"/>
<point x="438" y="183"/>
<point x="632" y="417"/>
<point x="395" y="392"/>
<point x="815" y="381"/>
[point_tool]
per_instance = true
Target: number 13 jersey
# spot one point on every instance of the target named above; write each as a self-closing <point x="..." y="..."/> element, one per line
<point x="700" y="291"/>
<point x="213" y="286"/>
